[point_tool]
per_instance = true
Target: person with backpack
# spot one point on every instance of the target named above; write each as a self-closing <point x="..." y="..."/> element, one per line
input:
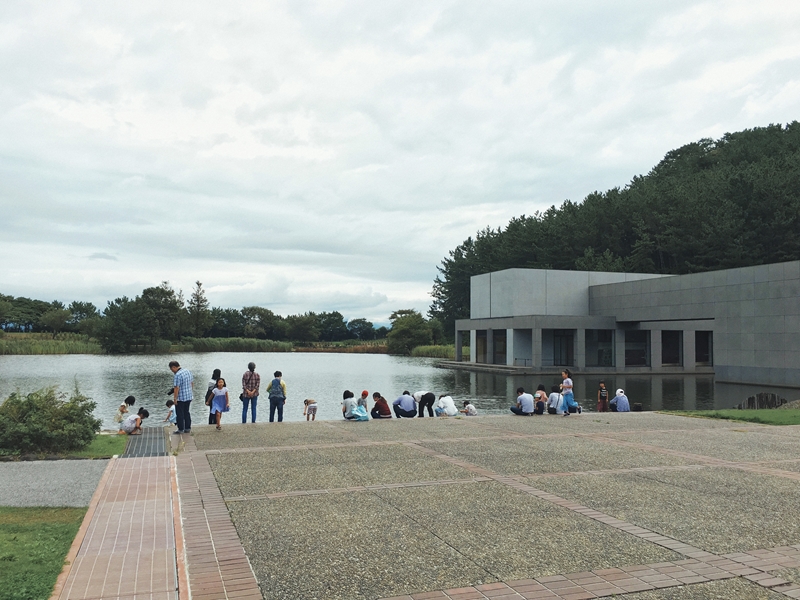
<point x="277" y="397"/>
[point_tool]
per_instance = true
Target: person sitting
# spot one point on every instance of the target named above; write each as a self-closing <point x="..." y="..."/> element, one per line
<point x="620" y="402"/>
<point x="555" y="401"/>
<point x="524" y="407"/>
<point x="539" y="400"/>
<point x="405" y="406"/>
<point x="446" y="407"/>
<point x="348" y="405"/>
<point x="381" y="409"/>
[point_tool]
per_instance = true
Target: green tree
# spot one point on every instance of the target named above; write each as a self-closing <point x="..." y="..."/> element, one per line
<point x="127" y="324"/>
<point x="302" y="328"/>
<point x="165" y="307"/>
<point x="332" y="326"/>
<point x="409" y="330"/>
<point x="361" y="329"/>
<point x="227" y="322"/>
<point x="55" y="320"/>
<point x="263" y="324"/>
<point x="80" y="311"/>
<point x="198" y="312"/>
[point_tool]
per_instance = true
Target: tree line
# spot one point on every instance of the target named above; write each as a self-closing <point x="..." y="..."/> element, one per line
<point x="160" y="316"/>
<point x="711" y="204"/>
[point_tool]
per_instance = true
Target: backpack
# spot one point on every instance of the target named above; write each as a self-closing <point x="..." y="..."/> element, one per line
<point x="275" y="390"/>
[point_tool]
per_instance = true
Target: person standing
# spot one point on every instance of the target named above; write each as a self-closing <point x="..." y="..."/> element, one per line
<point x="182" y="389"/>
<point x="602" y="397"/>
<point x="216" y="374"/>
<point x="426" y="400"/>
<point x="251" y="381"/>
<point x="277" y="397"/>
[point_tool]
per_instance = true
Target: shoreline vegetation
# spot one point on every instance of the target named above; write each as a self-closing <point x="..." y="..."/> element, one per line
<point x="32" y="344"/>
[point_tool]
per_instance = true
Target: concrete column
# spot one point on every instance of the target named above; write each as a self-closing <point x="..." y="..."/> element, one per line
<point x="536" y="348"/>
<point x="510" y="347"/>
<point x="656" y="347"/>
<point x="619" y="343"/>
<point x="580" y="349"/>
<point x="459" y="343"/>
<point x="473" y="346"/>
<point x="490" y="346"/>
<point x="688" y="353"/>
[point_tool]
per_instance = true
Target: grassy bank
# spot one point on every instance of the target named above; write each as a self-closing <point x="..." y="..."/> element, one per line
<point x="345" y="347"/>
<point x="43" y="343"/>
<point x="765" y="416"/>
<point x="104" y="446"/>
<point x="446" y="352"/>
<point x="33" y="544"/>
<point x="233" y="345"/>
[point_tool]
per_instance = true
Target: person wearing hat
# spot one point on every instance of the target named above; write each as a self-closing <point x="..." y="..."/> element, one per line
<point x="620" y="402"/>
<point x="363" y="400"/>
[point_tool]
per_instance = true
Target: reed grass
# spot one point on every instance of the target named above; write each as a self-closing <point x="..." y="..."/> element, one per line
<point x="43" y="343"/>
<point x="236" y="345"/>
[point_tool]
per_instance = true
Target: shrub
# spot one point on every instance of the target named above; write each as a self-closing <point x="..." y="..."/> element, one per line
<point x="448" y="352"/>
<point x="45" y="422"/>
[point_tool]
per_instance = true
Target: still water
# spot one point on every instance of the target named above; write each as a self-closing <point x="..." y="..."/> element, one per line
<point x="109" y="379"/>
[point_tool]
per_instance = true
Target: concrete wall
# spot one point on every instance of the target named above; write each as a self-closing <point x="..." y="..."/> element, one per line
<point x="518" y="292"/>
<point x="755" y="312"/>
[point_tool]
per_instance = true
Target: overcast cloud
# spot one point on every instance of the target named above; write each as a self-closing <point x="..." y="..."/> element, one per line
<point x="327" y="156"/>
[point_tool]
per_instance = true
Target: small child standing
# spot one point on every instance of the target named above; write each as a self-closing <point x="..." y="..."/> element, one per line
<point x="310" y="409"/>
<point x="171" y="416"/>
<point x="120" y="416"/>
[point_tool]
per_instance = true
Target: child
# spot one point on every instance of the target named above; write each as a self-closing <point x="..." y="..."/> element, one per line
<point x="469" y="410"/>
<point x="130" y="401"/>
<point x="171" y="416"/>
<point x="310" y="410"/>
<point x="221" y="402"/>
<point x="554" y="401"/>
<point x="539" y="399"/>
<point x="363" y="400"/>
<point x="120" y="416"/>
<point x="133" y="424"/>
<point x="602" y="397"/>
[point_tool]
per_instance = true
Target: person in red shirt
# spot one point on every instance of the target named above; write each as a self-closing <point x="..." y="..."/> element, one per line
<point x="381" y="409"/>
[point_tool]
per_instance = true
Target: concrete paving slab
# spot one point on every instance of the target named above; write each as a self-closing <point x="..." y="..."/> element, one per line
<point x="736" y="444"/>
<point x="729" y="589"/>
<point x="50" y="482"/>
<point x="684" y="505"/>
<point x="551" y="455"/>
<point x="591" y="422"/>
<point x="414" y="429"/>
<point x="517" y="536"/>
<point x="253" y="435"/>
<point x="344" y="547"/>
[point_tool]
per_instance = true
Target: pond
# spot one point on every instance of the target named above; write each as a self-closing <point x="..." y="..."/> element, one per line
<point x="109" y="379"/>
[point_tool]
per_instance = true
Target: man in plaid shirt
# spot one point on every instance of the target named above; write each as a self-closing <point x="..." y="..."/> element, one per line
<point x="250" y="384"/>
<point x="183" y="391"/>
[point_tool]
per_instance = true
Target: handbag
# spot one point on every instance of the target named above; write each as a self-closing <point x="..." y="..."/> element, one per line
<point x="241" y="396"/>
<point x="209" y="397"/>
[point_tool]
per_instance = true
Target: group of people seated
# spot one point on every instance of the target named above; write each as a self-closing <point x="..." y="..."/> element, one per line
<point x="561" y="400"/>
<point x="406" y="406"/>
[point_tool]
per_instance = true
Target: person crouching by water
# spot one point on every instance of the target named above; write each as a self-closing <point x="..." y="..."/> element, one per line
<point x="426" y="400"/>
<point x="132" y="425"/>
<point x="221" y="402"/>
<point x="405" y="407"/>
<point x="348" y="405"/>
<point x="469" y="409"/>
<point x="620" y="402"/>
<point x="310" y="409"/>
<point x="381" y="409"/>
<point x="446" y="407"/>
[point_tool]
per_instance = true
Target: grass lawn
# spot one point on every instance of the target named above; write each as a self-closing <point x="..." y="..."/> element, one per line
<point x="33" y="544"/>
<point x="103" y="446"/>
<point x="764" y="416"/>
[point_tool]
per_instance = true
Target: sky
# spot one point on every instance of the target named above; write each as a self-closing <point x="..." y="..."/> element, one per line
<point x="320" y="156"/>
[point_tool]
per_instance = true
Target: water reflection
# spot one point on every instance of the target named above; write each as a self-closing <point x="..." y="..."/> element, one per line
<point x="108" y="379"/>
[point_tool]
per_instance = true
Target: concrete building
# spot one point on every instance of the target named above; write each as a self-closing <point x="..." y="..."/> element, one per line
<point x="742" y="325"/>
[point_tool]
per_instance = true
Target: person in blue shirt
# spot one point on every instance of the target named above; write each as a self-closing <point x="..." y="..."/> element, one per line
<point x="183" y="393"/>
<point x="621" y="402"/>
<point x="405" y="406"/>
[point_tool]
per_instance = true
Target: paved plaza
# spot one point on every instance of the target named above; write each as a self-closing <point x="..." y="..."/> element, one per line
<point x="637" y="506"/>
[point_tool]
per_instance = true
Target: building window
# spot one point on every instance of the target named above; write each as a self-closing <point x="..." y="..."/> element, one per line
<point x="499" y="347"/>
<point x="480" y="346"/>
<point x="637" y="348"/>
<point x="599" y="347"/>
<point x="563" y="347"/>
<point x="703" y="347"/>
<point x="671" y="347"/>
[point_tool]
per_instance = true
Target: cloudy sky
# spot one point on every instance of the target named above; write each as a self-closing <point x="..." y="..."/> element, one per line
<point x="326" y="156"/>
